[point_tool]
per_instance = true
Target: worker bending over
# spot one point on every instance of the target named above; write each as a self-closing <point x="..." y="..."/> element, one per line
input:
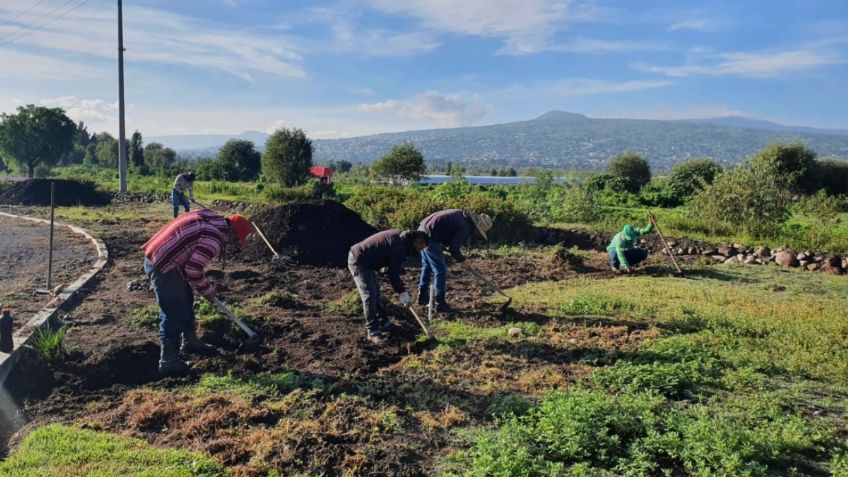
<point x="624" y="254"/>
<point x="182" y="184"/>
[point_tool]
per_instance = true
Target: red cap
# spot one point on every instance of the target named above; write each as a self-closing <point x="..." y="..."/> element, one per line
<point x="7" y="311"/>
<point x="242" y="227"/>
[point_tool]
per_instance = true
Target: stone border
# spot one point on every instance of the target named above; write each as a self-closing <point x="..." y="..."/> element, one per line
<point x="42" y="318"/>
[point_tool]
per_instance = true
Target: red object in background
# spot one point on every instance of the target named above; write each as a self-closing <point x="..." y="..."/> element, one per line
<point x="324" y="174"/>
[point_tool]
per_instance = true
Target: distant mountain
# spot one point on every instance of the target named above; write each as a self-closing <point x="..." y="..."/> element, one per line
<point x="185" y="144"/>
<point x="559" y="139"/>
<point x="742" y="122"/>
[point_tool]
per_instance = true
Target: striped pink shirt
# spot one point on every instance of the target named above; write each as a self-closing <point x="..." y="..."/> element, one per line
<point x="188" y="244"/>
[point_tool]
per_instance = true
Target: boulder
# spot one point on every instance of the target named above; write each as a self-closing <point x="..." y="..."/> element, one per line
<point x="726" y="251"/>
<point x="691" y="251"/>
<point x="813" y="266"/>
<point x="802" y="256"/>
<point x="751" y="260"/>
<point x="818" y="258"/>
<point x="786" y="258"/>
<point x="718" y="258"/>
<point x="709" y="251"/>
<point x="730" y="261"/>
<point x="804" y="263"/>
<point x="762" y="252"/>
<point x="833" y="265"/>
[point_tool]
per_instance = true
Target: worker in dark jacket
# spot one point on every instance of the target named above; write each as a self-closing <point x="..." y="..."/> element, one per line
<point x="383" y="249"/>
<point x="452" y="229"/>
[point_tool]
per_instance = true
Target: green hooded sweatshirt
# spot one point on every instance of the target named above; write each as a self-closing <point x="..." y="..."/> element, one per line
<point x="625" y="239"/>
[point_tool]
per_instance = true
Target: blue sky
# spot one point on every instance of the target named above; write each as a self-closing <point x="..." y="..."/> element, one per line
<point x="346" y="68"/>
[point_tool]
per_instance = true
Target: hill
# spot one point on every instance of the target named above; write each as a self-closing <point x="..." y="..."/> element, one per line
<point x="571" y="141"/>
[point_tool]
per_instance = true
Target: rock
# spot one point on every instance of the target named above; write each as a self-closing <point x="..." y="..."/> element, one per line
<point x="818" y="258"/>
<point x="786" y="258"/>
<point x="803" y="263"/>
<point x="514" y="331"/>
<point x="750" y="260"/>
<point x="671" y="244"/>
<point x="844" y="263"/>
<point x="813" y="266"/>
<point x="833" y="265"/>
<point x="802" y="256"/>
<point x="730" y="260"/>
<point x="717" y="258"/>
<point x="136" y="285"/>
<point x="709" y="251"/>
<point x="726" y="251"/>
<point x="691" y="251"/>
<point x="738" y="246"/>
<point x="740" y="257"/>
<point x="680" y="252"/>
<point x="762" y="252"/>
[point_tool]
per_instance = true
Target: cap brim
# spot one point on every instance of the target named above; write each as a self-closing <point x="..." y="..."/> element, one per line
<point x="481" y="231"/>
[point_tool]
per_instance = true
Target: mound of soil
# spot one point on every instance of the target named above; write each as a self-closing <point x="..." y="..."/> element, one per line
<point x="68" y="192"/>
<point x="313" y="233"/>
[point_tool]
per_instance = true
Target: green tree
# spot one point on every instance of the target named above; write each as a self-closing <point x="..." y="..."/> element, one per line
<point x="687" y="178"/>
<point x="342" y="166"/>
<point x="793" y="164"/>
<point x="158" y="157"/>
<point x="239" y="161"/>
<point x="36" y="135"/>
<point x="287" y="157"/>
<point x="834" y="175"/>
<point x="136" y="155"/>
<point x="403" y="163"/>
<point x="107" y="150"/>
<point x="632" y="168"/>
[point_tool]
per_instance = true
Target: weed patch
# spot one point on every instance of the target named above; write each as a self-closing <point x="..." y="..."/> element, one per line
<point x="49" y="344"/>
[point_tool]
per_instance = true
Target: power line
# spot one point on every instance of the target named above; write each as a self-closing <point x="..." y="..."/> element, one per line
<point x="25" y="30"/>
<point x="39" y="2"/>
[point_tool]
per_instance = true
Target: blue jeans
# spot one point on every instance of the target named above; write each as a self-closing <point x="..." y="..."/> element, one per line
<point x="178" y="199"/>
<point x="433" y="263"/>
<point x="175" y="299"/>
<point x="369" y="292"/>
<point x="633" y="255"/>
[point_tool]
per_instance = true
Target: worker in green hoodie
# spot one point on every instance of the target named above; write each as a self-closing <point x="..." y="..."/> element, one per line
<point x="622" y="249"/>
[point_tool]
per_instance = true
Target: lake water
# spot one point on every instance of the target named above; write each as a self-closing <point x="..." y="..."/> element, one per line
<point x="484" y="180"/>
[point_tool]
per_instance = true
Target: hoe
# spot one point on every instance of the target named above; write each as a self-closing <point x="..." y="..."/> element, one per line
<point x="492" y="285"/>
<point x="253" y="337"/>
<point x="667" y="248"/>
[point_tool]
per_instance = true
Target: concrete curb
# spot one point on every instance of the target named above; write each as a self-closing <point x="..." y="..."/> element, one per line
<point x="42" y="318"/>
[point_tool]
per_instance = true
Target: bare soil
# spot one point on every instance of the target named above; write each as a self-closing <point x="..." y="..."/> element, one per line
<point x="109" y="379"/>
<point x="24" y="250"/>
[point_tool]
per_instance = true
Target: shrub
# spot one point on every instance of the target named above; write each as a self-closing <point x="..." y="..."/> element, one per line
<point x="574" y="204"/>
<point x="631" y="168"/>
<point x="687" y="178"/>
<point x="793" y="166"/>
<point x="403" y="163"/>
<point x="287" y="157"/>
<point x="833" y="174"/>
<point x="751" y="198"/>
<point x="49" y="344"/>
<point x="508" y="405"/>
<point x="658" y="193"/>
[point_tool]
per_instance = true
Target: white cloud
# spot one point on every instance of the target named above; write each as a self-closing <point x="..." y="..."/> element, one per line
<point x="24" y="66"/>
<point x="666" y="112"/>
<point x="700" y="24"/>
<point x="432" y="106"/>
<point x="158" y="36"/>
<point x="91" y="111"/>
<point x="585" y="87"/>
<point x="525" y="25"/>
<point x="596" y="46"/>
<point x="749" y="64"/>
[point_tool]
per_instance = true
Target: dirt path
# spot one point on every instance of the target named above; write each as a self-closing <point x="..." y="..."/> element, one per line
<point x="24" y="248"/>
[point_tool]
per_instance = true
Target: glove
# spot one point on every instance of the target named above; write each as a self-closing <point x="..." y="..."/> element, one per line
<point x="405" y="299"/>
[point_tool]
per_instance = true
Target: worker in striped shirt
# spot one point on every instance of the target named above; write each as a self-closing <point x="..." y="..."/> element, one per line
<point x="174" y="260"/>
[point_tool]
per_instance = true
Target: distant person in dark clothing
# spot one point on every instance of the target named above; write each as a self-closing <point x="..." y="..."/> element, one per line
<point x="383" y="249"/>
<point x="452" y="229"/>
<point x="183" y="183"/>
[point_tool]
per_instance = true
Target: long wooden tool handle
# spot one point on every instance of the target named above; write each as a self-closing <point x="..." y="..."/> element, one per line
<point x="232" y="317"/>
<point x="489" y="282"/>
<point x="667" y="248"/>
<point x="258" y="231"/>
<point x="418" y="319"/>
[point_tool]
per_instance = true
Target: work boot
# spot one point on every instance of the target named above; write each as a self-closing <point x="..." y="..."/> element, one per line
<point x="169" y="363"/>
<point x="192" y="345"/>
<point x="443" y="307"/>
<point x="423" y="296"/>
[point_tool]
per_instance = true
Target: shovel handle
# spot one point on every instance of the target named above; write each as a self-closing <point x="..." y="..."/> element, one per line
<point x="667" y="248"/>
<point x="489" y="282"/>
<point x="232" y="317"/>
<point x="420" y="322"/>
<point x="259" y="232"/>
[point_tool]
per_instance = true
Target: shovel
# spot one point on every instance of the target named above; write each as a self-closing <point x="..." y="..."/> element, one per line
<point x="667" y="248"/>
<point x="277" y="256"/>
<point x="491" y="284"/>
<point x="252" y="336"/>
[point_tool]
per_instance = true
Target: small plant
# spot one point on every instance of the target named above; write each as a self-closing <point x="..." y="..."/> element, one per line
<point x="49" y="343"/>
<point x="508" y="405"/>
<point x="145" y="317"/>
<point x="348" y="304"/>
<point x="277" y="299"/>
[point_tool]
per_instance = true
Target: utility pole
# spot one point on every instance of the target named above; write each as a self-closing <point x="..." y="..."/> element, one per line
<point x="122" y="134"/>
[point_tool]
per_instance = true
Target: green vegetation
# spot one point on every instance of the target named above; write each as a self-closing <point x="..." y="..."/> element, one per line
<point x="61" y="450"/>
<point x="237" y="161"/>
<point x="145" y="316"/>
<point x="35" y="135"/>
<point x="631" y="169"/>
<point x="403" y="163"/>
<point x="49" y="344"/>
<point x="727" y="389"/>
<point x="287" y="157"/>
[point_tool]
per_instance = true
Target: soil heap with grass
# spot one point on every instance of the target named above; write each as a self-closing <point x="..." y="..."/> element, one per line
<point x="316" y="233"/>
<point x="68" y="193"/>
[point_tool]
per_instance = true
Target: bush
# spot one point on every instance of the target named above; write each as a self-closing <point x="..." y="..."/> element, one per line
<point x="687" y="178"/>
<point x="833" y="176"/>
<point x="793" y="165"/>
<point x="574" y="204"/>
<point x="658" y="193"/>
<point x="631" y="168"/>
<point x="403" y="163"/>
<point x="751" y="198"/>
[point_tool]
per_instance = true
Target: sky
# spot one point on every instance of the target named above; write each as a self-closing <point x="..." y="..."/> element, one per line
<point x="346" y="68"/>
